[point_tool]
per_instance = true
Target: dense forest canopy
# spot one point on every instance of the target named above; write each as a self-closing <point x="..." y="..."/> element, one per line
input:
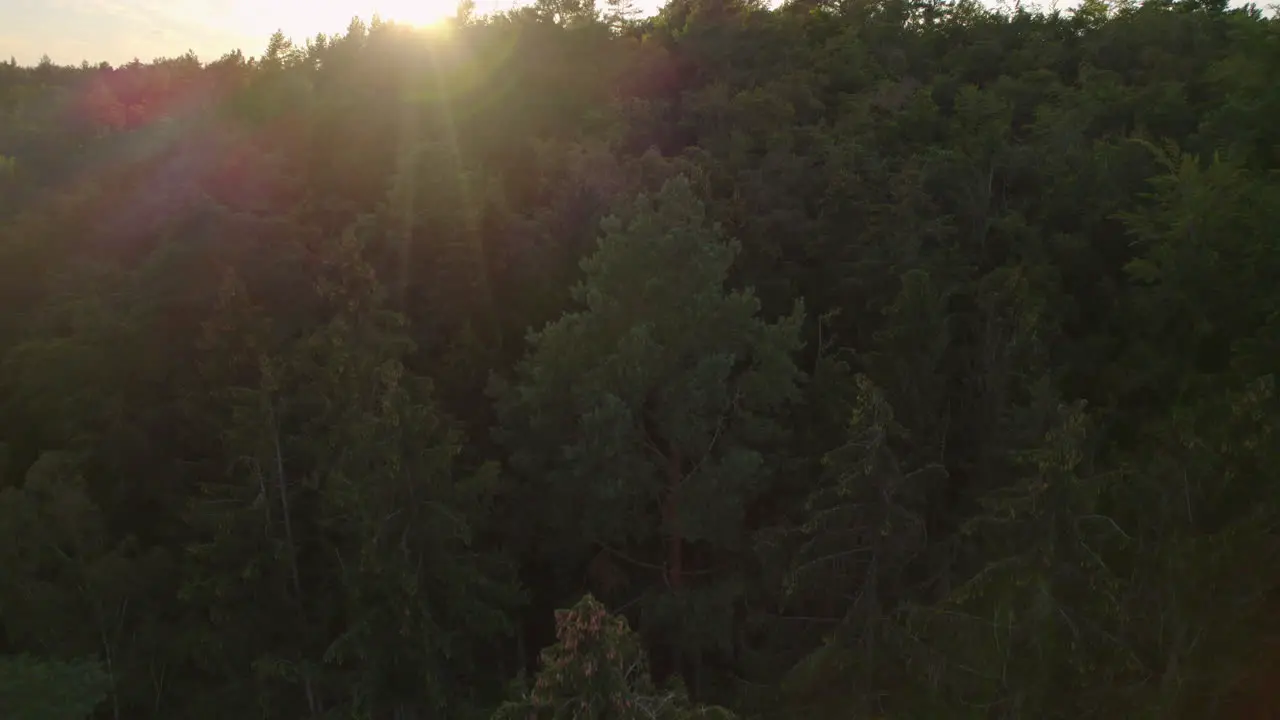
<point x="847" y="359"/>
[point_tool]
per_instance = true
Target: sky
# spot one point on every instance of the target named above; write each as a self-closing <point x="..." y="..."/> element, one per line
<point x="117" y="31"/>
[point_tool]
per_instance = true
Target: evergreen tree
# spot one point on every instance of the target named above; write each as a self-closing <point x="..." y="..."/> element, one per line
<point x="248" y="309"/>
<point x="645" y="423"/>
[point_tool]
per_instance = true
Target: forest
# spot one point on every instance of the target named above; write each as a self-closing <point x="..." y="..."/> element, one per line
<point x="845" y="359"/>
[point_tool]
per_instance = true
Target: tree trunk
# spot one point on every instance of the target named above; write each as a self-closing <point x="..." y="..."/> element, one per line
<point x="291" y="548"/>
<point x="670" y="511"/>
<point x="283" y="486"/>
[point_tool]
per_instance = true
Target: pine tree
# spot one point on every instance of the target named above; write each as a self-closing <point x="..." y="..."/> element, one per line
<point x="345" y="509"/>
<point x="398" y="510"/>
<point x="643" y="423"/>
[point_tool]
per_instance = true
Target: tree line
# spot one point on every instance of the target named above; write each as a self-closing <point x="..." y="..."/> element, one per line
<point x="845" y="359"/>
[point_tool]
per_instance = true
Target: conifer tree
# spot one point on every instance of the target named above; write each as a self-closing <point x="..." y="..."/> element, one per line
<point x="645" y="421"/>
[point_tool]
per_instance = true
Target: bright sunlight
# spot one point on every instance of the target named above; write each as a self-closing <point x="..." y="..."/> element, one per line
<point x="300" y="19"/>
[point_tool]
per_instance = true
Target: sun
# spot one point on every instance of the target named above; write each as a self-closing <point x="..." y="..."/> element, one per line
<point x="302" y="19"/>
<point x="421" y="13"/>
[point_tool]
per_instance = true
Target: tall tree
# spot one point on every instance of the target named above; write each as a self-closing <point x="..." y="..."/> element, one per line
<point x="345" y="507"/>
<point x="644" y="424"/>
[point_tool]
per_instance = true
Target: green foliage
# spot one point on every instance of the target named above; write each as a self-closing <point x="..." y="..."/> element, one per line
<point x="34" y="689"/>
<point x="597" y="670"/>
<point x="280" y="442"/>
<point x="644" y="421"/>
<point x="1036" y="623"/>
<point x="341" y="467"/>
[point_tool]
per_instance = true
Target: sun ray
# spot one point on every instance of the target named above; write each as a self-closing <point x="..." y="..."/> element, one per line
<point x="417" y="12"/>
<point x="300" y="19"/>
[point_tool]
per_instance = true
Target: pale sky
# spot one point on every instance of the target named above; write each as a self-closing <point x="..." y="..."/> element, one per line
<point x="116" y="31"/>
